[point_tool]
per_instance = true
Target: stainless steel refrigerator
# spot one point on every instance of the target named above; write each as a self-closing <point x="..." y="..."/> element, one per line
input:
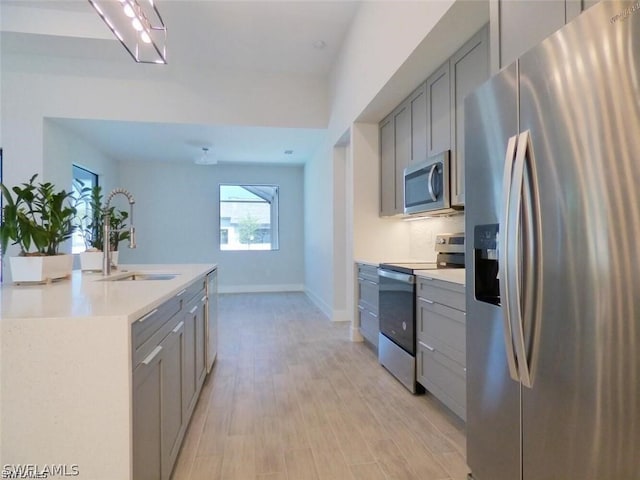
<point x="553" y="270"/>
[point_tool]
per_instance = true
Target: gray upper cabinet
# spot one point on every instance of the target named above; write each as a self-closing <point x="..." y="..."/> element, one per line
<point x="418" y="104"/>
<point x="403" y="139"/>
<point x="402" y="130"/>
<point x="387" y="168"/>
<point x="517" y="26"/>
<point x="438" y="111"/>
<point x="469" y="68"/>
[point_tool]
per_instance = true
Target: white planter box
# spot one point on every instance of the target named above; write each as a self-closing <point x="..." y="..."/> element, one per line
<point x="92" y="261"/>
<point x="40" y="269"/>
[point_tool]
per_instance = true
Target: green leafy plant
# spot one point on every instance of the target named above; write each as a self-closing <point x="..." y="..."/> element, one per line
<point x="38" y="219"/>
<point x="90" y="218"/>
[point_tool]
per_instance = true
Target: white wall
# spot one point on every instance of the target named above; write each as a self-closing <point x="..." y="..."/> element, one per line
<point x="177" y="221"/>
<point x="381" y="38"/>
<point x="318" y="229"/>
<point x="63" y="148"/>
<point x="33" y="89"/>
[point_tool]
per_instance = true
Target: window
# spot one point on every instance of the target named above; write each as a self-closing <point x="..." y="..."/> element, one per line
<point x="249" y="217"/>
<point x="81" y="178"/>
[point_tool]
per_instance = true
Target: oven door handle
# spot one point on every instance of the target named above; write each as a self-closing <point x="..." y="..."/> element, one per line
<point x="402" y="277"/>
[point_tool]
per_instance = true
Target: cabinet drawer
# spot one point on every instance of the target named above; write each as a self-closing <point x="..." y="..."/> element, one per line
<point x="369" y="325"/>
<point x="443" y="377"/>
<point x="445" y="293"/>
<point x="143" y="328"/>
<point x="368" y="295"/>
<point x="443" y="328"/>
<point x="368" y="272"/>
<point x="196" y="288"/>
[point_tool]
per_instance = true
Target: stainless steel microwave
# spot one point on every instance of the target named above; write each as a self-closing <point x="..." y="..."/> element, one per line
<point x="426" y="186"/>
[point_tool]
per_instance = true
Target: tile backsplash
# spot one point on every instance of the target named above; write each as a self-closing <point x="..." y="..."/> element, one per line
<point x="422" y="235"/>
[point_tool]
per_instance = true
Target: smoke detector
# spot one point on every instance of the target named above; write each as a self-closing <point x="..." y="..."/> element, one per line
<point x="205" y="158"/>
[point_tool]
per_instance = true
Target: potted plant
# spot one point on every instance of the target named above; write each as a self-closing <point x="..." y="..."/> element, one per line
<point x="91" y="225"/>
<point x="37" y="219"/>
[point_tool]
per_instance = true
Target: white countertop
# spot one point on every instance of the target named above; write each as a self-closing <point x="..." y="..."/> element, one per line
<point x="66" y="385"/>
<point x="453" y="275"/>
<point x="88" y="295"/>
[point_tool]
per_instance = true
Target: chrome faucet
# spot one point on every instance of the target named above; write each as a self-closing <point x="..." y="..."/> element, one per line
<point x="106" y="233"/>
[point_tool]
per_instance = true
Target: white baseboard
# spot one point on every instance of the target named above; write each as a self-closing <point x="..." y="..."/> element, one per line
<point x="318" y="302"/>
<point x="260" y="288"/>
<point x="356" y="336"/>
<point x="340" y="316"/>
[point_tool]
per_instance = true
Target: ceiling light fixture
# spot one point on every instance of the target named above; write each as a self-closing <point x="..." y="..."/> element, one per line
<point x="205" y="159"/>
<point x="138" y="26"/>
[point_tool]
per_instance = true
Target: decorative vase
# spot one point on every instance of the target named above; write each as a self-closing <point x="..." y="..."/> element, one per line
<point x="92" y="261"/>
<point x="40" y="269"/>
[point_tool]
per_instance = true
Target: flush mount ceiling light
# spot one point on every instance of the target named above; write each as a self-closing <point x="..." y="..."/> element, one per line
<point x="138" y="25"/>
<point x="205" y="159"/>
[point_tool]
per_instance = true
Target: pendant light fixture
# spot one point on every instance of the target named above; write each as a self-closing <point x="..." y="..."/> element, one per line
<point x="138" y="25"/>
<point x="205" y="159"/>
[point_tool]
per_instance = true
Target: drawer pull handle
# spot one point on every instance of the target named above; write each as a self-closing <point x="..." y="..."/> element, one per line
<point x="203" y="299"/>
<point x="193" y="309"/>
<point x="373" y="314"/>
<point x="430" y="302"/>
<point x="152" y="355"/>
<point x="178" y="327"/>
<point x="181" y="292"/>
<point x="151" y="313"/>
<point x="372" y="283"/>
<point x="431" y="349"/>
<point x="361" y="308"/>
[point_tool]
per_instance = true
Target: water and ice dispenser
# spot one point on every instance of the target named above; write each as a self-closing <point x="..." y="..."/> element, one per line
<point x="485" y="257"/>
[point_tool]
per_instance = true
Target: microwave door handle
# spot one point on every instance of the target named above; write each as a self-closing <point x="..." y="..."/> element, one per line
<point x="430" y="182"/>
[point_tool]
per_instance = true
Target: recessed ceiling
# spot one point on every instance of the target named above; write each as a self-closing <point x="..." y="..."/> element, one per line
<point x="168" y="142"/>
<point x="258" y="36"/>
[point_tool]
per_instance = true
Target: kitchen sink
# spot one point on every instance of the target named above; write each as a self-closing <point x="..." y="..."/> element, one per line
<point x="141" y="276"/>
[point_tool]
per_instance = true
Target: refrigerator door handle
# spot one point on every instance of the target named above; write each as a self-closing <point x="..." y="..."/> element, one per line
<point x="532" y="256"/>
<point x="524" y="255"/>
<point x="503" y="249"/>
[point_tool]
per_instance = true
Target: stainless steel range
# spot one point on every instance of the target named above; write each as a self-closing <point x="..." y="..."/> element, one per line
<point x="397" y="308"/>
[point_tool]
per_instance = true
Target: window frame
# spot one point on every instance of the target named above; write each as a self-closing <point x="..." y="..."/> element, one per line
<point x="274" y="208"/>
<point x="89" y="176"/>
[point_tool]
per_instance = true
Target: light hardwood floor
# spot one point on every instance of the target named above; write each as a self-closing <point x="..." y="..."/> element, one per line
<point x="291" y="398"/>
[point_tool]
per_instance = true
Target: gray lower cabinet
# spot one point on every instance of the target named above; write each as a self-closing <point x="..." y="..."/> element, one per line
<point x="194" y="369"/>
<point x="469" y="68"/>
<point x="441" y="335"/>
<point x="147" y="419"/>
<point x="369" y="324"/>
<point x="168" y="350"/>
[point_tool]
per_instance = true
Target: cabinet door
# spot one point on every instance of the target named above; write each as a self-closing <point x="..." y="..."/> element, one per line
<point x="418" y="103"/>
<point x="402" y="132"/>
<point x="212" y="318"/>
<point x="523" y="25"/>
<point x="387" y="168"/>
<point x="171" y="402"/>
<point x="469" y="69"/>
<point x="438" y="111"/>
<point x="147" y="417"/>
<point x="197" y="315"/>
<point x="190" y="381"/>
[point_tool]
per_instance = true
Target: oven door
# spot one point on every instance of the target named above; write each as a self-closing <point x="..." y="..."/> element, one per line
<point x="397" y="308"/>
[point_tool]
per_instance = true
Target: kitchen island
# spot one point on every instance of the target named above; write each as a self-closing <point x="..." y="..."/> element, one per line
<point x="70" y="355"/>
